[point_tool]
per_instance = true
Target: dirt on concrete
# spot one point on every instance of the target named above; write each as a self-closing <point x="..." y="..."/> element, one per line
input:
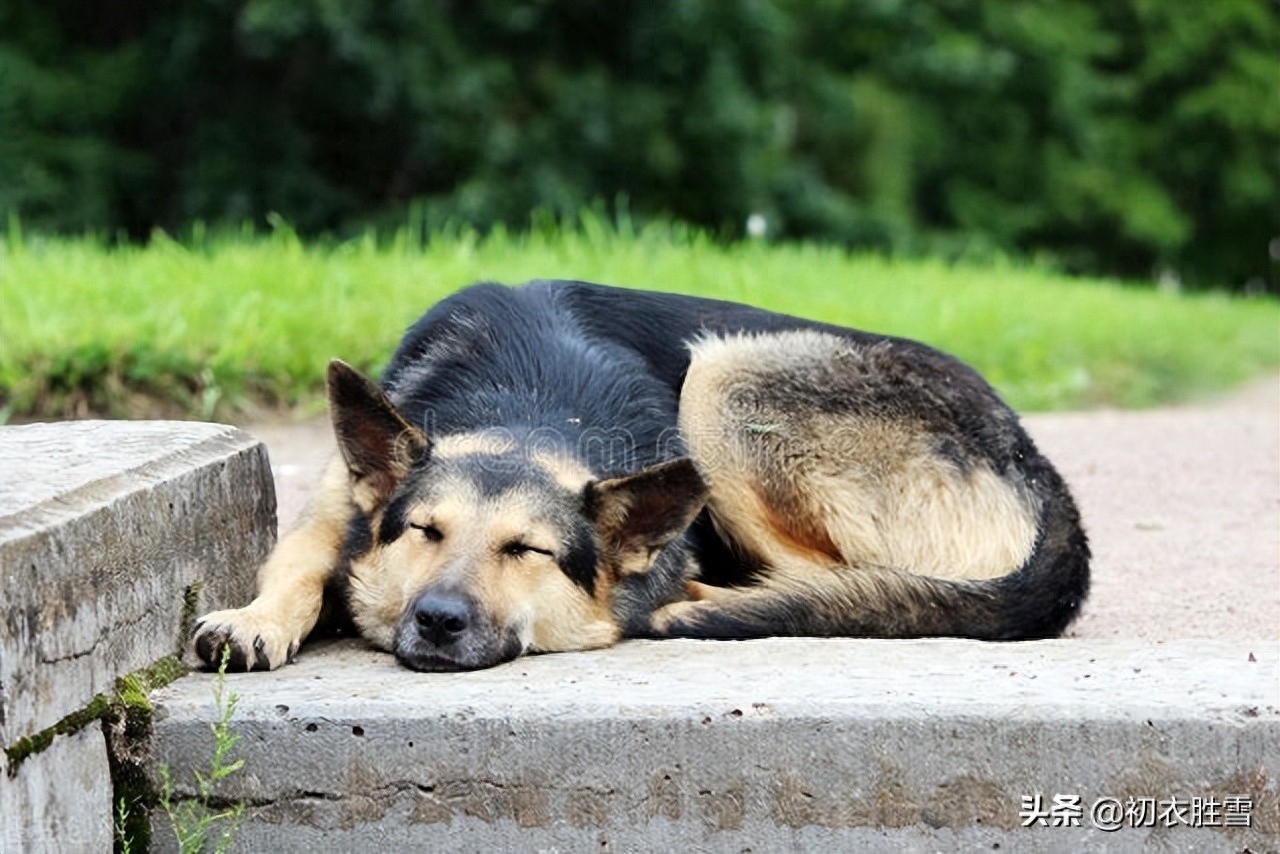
<point x="1182" y="507"/>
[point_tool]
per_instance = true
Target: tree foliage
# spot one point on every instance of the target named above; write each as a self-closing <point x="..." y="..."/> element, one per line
<point x="1131" y="137"/>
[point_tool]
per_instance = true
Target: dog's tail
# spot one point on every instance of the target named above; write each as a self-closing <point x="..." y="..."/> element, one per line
<point x="1045" y="594"/>
<point x="1037" y="600"/>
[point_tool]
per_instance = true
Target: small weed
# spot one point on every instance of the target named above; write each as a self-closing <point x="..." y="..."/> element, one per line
<point x="204" y="820"/>
<point x="123" y="834"/>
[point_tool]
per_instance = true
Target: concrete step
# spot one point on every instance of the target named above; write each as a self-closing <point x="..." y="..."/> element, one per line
<point x="768" y="745"/>
<point x="112" y="535"/>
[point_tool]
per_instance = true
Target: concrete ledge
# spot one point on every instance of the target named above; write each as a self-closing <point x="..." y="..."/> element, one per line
<point x="104" y="526"/>
<point x="767" y="745"/>
<point x="112" y="534"/>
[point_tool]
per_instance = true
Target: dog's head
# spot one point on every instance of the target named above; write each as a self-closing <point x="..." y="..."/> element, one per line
<point x="479" y="549"/>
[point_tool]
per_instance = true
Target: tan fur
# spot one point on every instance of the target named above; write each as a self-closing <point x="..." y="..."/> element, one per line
<point x="822" y="490"/>
<point x="569" y="473"/>
<point x="699" y="592"/>
<point x="479" y="442"/>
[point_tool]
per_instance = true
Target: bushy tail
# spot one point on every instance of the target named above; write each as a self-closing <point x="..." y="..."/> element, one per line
<point x="1045" y="594"/>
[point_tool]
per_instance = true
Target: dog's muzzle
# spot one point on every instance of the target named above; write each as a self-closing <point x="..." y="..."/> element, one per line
<point x="446" y="629"/>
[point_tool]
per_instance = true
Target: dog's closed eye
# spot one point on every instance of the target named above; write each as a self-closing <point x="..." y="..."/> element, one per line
<point x="430" y="532"/>
<point x="518" y="549"/>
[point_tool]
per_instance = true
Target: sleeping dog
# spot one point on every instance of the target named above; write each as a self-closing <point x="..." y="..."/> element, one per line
<point x="560" y="465"/>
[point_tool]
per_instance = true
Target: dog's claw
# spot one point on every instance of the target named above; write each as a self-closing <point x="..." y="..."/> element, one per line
<point x="208" y="647"/>
<point x="212" y="645"/>
<point x="260" y="659"/>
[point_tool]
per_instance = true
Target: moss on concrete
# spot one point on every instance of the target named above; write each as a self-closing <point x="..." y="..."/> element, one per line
<point x="127" y="727"/>
<point x="30" y="745"/>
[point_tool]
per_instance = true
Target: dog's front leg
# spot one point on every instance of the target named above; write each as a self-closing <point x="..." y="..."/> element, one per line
<point x="267" y="632"/>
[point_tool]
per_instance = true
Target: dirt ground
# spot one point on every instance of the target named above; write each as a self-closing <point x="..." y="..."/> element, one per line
<point x="1182" y="507"/>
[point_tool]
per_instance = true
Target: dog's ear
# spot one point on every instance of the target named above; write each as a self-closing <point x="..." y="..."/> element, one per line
<point x="637" y="514"/>
<point x="376" y="442"/>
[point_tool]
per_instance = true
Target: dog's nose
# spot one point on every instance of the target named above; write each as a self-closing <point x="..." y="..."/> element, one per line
<point x="442" y="616"/>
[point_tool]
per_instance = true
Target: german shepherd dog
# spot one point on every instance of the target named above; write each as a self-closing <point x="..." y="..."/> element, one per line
<point x="560" y="465"/>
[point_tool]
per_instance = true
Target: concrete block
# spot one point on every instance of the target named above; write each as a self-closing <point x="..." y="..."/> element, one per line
<point x="104" y="526"/>
<point x="778" y="744"/>
<point x="60" y="798"/>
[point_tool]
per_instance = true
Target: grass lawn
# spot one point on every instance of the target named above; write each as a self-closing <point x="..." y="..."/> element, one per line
<point x="218" y="326"/>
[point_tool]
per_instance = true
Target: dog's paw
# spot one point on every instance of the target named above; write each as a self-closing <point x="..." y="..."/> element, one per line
<point x="255" y="641"/>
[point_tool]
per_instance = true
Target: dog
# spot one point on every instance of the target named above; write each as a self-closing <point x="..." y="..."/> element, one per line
<point x="560" y="465"/>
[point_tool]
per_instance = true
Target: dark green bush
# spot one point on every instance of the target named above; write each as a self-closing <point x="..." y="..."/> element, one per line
<point x="1129" y="137"/>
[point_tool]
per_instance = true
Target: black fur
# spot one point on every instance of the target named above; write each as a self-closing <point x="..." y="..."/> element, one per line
<point x="523" y="359"/>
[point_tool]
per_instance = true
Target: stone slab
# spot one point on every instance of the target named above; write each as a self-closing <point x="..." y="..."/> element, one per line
<point x="103" y="528"/>
<point x="60" y="799"/>
<point x="777" y="744"/>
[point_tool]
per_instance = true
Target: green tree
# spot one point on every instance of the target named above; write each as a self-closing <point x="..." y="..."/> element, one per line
<point x="1131" y="137"/>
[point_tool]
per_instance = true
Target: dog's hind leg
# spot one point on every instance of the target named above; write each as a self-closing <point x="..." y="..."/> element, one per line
<point x="811" y="600"/>
<point x="291" y="584"/>
<point x="876" y="485"/>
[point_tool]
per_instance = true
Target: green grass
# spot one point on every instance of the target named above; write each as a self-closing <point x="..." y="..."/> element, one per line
<point x="218" y="325"/>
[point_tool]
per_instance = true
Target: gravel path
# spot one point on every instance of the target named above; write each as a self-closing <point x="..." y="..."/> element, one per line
<point x="1182" y="506"/>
